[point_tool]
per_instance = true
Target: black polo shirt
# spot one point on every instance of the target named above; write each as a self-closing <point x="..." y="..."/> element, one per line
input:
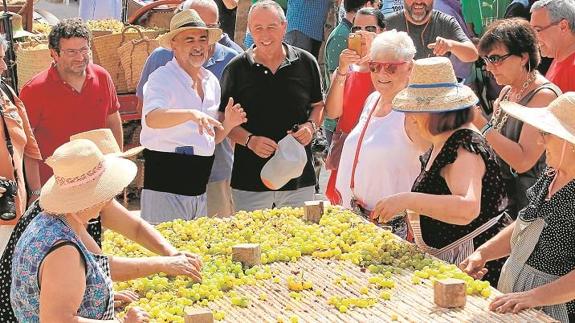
<point x="273" y="103"/>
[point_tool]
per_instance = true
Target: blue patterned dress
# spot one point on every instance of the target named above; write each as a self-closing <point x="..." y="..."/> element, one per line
<point x="43" y="233"/>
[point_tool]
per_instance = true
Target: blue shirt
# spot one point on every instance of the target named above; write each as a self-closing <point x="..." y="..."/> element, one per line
<point x="224" y="158"/>
<point x="308" y="17"/>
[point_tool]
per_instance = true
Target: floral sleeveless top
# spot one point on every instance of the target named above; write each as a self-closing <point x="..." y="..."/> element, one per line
<point x="38" y="240"/>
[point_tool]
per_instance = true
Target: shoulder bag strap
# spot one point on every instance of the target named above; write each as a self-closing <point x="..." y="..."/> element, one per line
<point x="358" y="147"/>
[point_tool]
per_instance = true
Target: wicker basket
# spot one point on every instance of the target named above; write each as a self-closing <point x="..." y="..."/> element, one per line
<point x="31" y="59"/>
<point x="133" y="55"/>
<point x="106" y="55"/>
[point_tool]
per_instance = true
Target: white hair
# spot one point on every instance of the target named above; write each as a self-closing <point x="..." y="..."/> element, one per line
<point x="396" y="43"/>
<point x="3" y="42"/>
<point x="207" y="3"/>
<point x="558" y="10"/>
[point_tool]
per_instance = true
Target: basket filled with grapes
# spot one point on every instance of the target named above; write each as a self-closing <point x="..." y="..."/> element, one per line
<point x="340" y="270"/>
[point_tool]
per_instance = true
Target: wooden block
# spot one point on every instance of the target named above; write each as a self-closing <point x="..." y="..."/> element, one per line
<point x="449" y="293"/>
<point x="199" y="315"/>
<point x="249" y="254"/>
<point x="313" y="211"/>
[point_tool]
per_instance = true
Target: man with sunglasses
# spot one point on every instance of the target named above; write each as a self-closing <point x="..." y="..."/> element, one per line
<point x="72" y="96"/>
<point x="554" y="23"/>
<point x="433" y="32"/>
<point x="219" y="200"/>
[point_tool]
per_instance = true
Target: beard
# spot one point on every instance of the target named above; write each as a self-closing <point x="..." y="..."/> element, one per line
<point x="418" y="17"/>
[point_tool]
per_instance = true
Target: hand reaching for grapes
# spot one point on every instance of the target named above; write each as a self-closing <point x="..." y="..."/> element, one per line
<point x="191" y="255"/>
<point x="388" y="207"/>
<point x="474" y="265"/>
<point x="124" y="297"/>
<point x="183" y="264"/>
<point x="136" y="315"/>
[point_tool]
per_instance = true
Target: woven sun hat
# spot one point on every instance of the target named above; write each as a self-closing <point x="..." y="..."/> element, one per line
<point x="433" y="87"/>
<point x="558" y="118"/>
<point x="106" y="142"/>
<point x="186" y="20"/>
<point x="83" y="177"/>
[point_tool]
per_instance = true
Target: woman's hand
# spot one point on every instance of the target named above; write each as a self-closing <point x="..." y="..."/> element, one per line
<point x="474" y="265"/>
<point x="479" y="119"/>
<point x="125" y="297"/>
<point x="136" y="315"/>
<point x="346" y="59"/>
<point x="389" y="207"/>
<point x="183" y="264"/>
<point x="516" y="302"/>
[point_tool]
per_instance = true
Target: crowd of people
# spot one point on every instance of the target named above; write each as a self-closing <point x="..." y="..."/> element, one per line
<point x="418" y="142"/>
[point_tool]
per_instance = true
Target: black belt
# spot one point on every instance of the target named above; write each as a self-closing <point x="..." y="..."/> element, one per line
<point x="176" y="173"/>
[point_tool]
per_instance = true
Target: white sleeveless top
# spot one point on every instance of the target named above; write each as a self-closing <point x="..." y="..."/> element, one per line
<point x="388" y="162"/>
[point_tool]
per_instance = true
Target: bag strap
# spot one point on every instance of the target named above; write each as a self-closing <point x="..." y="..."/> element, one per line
<point x="9" y="92"/>
<point x="9" y="145"/>
<point x="358" y="147"/>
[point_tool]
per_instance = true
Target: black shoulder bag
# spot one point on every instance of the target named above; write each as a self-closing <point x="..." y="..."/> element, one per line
<point x="7" y="201"/>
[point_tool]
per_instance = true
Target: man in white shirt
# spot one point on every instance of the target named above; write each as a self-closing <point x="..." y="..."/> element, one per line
<point x="179" y="125"/>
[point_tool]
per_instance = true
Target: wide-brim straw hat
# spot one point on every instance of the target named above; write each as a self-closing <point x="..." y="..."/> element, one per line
<point x="83" y="177"/>
<point x="106" y="142"/>
<point x="433" y="87"/>
<point x="186" y="20"/>
<point x="558" y="118"/>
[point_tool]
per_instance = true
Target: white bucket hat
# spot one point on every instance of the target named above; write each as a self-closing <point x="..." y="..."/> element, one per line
<point x="83" y="177"/>
<point x="433" y="87"/>
<point x="558" y="118"/>
<point x="287" y="163"/>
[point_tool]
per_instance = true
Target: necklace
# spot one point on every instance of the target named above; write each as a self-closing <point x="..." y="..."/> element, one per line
<point x="499" y="117"/>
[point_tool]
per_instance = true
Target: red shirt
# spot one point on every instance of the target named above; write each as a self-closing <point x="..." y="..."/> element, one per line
<point x="56" y="110"/>
<point x="561" y="73"/>
<point x="357" y="88"/>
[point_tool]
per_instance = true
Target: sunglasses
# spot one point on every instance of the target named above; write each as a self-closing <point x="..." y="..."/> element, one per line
<point x="388" y="67"/>
<point x="495" y="59"/>
<point x="371" y="29"/>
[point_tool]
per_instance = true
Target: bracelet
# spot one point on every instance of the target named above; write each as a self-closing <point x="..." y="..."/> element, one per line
<point x="36" y="192"/>
<point x="313" y="125"/>
<point x="249" y="138"/>
<point x="340" y="74"/>
<point x="488" y="127"/>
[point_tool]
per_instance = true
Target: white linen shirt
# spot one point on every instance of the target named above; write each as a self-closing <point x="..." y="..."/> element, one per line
<point x="170" y="87"/>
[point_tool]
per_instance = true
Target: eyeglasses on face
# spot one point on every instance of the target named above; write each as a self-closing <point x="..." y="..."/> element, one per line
<point x="74" y="52"/>
<point x="495" y="59"/>
<point x="540" y="29"/>
<point x="388" y="67"/>
<point x="371" y="29"/>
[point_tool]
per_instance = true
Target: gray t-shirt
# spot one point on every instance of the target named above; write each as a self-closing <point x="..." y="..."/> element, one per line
<point x="440" y="25"/>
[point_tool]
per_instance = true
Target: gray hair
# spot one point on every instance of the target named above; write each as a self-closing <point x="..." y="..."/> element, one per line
<point x="3" y="42"/>
<point x="397" y="43"/>
<point x="558" y="10"/>
<point x="269" y="4"/>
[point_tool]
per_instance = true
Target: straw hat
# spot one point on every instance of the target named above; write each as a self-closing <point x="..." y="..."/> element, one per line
<point x="558" y="118"/>
<point x="17" y="27"/>
<point x="106" y="142"/>
<point x="433" y="87"/>
<point x="83" y="177"/>
<point x="186" y="20"/>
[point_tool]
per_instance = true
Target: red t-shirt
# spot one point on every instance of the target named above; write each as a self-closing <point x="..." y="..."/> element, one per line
<point x="57" y="111"/>
<point x="357" y="88"/>
<point x="561" y="73"/>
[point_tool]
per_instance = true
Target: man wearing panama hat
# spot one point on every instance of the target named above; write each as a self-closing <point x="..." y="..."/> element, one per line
<point x="179" y="124"/>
